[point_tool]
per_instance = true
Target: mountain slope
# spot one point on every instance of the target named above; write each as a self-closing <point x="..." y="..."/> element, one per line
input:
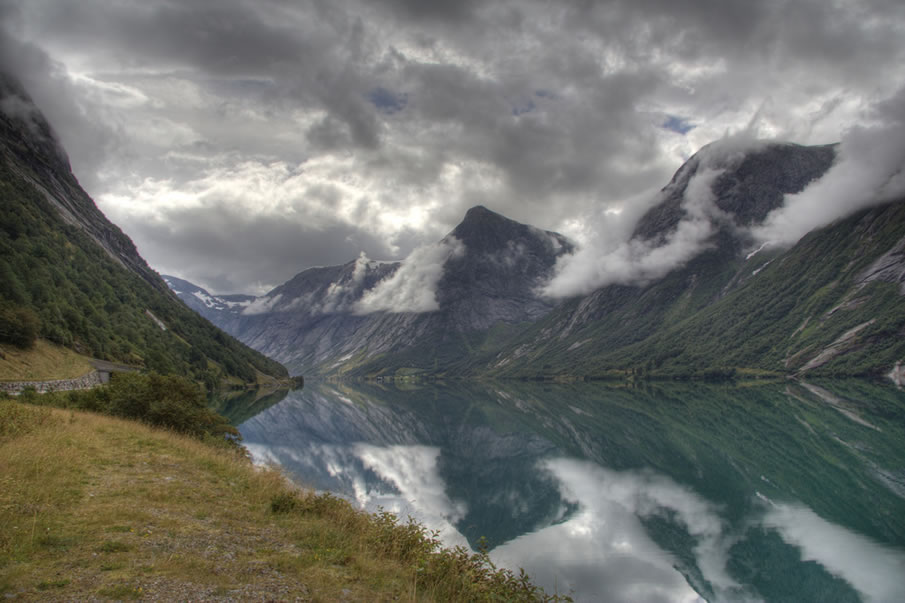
<point x="80" y="279"/>
<point x="829" y="305"/>
<point x="327" y="320"/>
<point x="729" y="307"/>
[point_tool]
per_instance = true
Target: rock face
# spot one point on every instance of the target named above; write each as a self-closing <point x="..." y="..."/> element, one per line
<point x="750" y="185"/>
<point x="497" y="278"/>
<point x="316" y="323"/>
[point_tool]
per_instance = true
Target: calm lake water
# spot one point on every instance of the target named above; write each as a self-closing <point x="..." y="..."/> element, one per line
<point x="782" y="492"/>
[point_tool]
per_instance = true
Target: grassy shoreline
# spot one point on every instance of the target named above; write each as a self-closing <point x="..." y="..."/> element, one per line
<point x="95" y="507"/>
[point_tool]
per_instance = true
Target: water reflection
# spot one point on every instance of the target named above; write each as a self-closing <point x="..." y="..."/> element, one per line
<point x="660" y="494"/>
<point x="877" y="572"/>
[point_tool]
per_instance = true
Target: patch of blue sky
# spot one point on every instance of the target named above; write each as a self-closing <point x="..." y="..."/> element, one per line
<point x="387" y="101"/>
<point x="679" y="125"/>
<point x="523" y="107"/>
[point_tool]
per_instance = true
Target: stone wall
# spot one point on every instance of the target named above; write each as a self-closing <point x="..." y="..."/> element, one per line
<point x="92" y="379"/>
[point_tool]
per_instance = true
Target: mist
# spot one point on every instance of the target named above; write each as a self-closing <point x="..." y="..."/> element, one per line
<point x="608" y="256"/>
<point x="413" y="287"/>
<point x="869" y="170"/>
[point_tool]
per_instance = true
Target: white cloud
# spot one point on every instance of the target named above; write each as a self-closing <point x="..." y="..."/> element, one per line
<point x="605" y="259"/>
<point x="262" y="305"/>
<point x="543" y="112"/>
<point x="414" y="471"/>
<point x="413" y="287"/>
<point x="869" y="170"/>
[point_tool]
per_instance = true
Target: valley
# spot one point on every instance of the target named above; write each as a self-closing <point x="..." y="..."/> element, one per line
<point x="732" y="307"/>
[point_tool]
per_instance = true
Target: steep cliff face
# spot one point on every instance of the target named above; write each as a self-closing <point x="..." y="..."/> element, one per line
<point x="832" y="305"/>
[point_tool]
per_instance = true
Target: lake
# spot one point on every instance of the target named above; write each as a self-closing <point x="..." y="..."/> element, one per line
<point x="662" y="492"/>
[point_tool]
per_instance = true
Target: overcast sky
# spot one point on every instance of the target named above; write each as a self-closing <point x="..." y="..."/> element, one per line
<point x="240" y="141"/>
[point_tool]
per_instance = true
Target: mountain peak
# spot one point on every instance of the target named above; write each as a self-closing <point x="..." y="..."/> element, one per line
<point x="753" y="181"/>
<point x="479" y="211"/>
<point x="486" y="231"/>
<point x="482" y="229"/>
<point x="480" y="215"/>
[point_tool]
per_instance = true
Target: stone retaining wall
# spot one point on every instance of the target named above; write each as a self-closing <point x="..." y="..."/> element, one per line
<point x="92" y="379"/>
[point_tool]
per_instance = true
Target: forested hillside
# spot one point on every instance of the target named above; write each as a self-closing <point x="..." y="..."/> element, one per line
<point x="70" y="276"/>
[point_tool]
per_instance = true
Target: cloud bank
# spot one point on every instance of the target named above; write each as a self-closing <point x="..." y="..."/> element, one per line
<point x="869" y="170"/>
<point x="413" y="287"/>
<point x="610" y="556"/>
<point x="240" y="142"/>
<point x="606" y="259"/>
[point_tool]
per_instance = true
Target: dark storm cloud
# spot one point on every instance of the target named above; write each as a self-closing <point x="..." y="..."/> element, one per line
<point x="220" y="37"/>
<point x="442" y="11"/>
<point x="413" y="111"/>
<point x="204" y="237"/>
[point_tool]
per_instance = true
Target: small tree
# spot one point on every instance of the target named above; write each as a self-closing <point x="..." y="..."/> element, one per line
<point x="18" y="326"/>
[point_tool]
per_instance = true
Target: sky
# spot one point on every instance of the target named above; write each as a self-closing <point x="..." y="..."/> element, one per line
<point x="239" y="142"/>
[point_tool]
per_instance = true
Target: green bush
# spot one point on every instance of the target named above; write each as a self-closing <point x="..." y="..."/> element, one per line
<point x="166" y="401"/>
<point x="19" y="326"/>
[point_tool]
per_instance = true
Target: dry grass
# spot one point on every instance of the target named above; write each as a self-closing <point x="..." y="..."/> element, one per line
<point x="43" y="362"/>
<point x="96" y="507"/>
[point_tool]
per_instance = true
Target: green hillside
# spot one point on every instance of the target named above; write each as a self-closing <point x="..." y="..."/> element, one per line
<point x="59" y="284"/>
<point x="809" y="309"/>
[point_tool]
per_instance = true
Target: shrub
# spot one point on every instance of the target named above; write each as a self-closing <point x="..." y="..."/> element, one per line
<point x="19" y="326"/>
<point x="164" y="401"/>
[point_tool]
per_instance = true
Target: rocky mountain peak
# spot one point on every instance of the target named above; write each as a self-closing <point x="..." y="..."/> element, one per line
<point x="754" y="180"/>
<point x="485" y="231"/>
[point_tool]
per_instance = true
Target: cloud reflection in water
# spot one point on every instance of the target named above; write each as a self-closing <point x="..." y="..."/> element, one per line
<point x="875" y="571"/>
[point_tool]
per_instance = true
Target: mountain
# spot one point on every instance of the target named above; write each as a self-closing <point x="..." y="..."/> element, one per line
<point x="78" y="281"/>
<point x="828" y="305"/>
<point x="215" y="308"/>
<point x="751" y="184"/>
<point x="480" y="279"/>
<point x="831" y="304"/>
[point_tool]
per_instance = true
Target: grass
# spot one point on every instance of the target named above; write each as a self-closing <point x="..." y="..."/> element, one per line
<point x="43" y="362"/>
<point x="97" y="507"/>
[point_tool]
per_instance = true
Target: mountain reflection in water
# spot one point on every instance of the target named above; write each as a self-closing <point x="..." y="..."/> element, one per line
<point x="660" y="493"/>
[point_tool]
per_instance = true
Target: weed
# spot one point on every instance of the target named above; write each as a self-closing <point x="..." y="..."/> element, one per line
<point x="110" y="567"/>
<point x="85" y="496"/>
<point x="48" y="584"/>
<point x="284" y="502"/>
<point x="121" y="591"/>
<point x="18" y="419"/>
<point x="114" y="546"/>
